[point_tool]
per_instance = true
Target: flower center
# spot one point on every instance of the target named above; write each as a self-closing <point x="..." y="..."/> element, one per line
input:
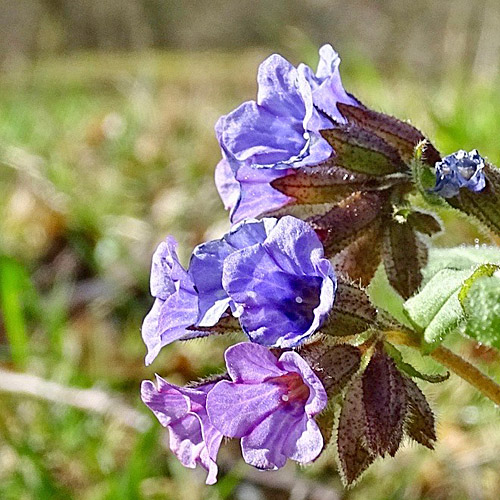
<point x="294" y="388"/>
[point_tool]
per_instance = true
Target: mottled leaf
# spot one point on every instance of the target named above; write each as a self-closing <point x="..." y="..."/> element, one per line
<point x="335" y="365"/>
<point x="404" y="255"/>
<point x="384" y="398"/>
<point x="419" y="424"/>
<point x="340" y="226"/>
<point x="400" y="135"/>
<point x="410" y="370"/>
<point x="352" y="313"/>
<point x="354" y="456"/>
<point x="362" y="151"/>
<point x="330" y="183"/>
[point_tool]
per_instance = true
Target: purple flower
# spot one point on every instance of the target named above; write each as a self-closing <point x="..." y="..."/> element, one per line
<point x="278" y="132"/>
<point x="248" y="192"/>
<point x="326" y="85"/>
<point x="193" y="439"/>
<point x="281" y="128"/>
<point x="270" y="404"/>
<point x="271" y="274"/>
<point x="458" y="170"/>
<point x="173" y="290"/>
<point x="283" y="288"/>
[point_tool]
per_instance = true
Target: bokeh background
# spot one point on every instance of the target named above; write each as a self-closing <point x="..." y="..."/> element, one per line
<point x="107" y="111"/>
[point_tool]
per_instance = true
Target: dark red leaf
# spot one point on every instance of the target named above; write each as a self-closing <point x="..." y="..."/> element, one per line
<point x="340" y="226"/>
<point x="384" y="398"/>
<point x="400" y="135"/>
<point x="404" y="255"/>
<point x="352" y="313"/>
<point x="354" y="456"/>
<point x="419" y="423"/>
<point x="335" y="365"/>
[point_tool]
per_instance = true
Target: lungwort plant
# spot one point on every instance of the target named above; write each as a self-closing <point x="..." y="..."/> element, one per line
<point x="322" y="192"/>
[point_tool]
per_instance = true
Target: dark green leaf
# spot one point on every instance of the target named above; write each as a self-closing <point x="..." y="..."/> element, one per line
<point x="424" y="223"/>
<point x="363" y="151"/>
<point x="352" y="312"/>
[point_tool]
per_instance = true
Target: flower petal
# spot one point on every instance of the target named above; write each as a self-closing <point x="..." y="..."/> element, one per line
<point x="236" y="409"/>
<point x="317" y="401"/>
<point x="251" y="363"/>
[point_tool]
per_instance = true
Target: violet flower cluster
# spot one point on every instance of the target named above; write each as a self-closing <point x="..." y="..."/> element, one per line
<point x="272" y="276"/>
<point x="269" y="403"/>
<point x="266" y="139"/>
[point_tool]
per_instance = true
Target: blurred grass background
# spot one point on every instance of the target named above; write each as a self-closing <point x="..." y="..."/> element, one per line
<point x="106" y="145"/>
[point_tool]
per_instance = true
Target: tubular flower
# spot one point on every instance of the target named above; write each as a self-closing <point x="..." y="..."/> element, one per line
<point x="193" y="439"/>
<point x="271" y="274"/>
<point x="278" y="132"/>
<point x="270" y="404"/>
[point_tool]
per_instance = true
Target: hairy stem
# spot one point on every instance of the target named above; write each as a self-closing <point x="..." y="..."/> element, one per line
<point x="465" y="370"/>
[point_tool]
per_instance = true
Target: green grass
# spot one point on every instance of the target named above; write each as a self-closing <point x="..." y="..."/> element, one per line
<point x="101" y="157"/>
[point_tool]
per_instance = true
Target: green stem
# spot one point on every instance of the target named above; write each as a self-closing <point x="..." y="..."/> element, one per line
<point x="465" y="370"/>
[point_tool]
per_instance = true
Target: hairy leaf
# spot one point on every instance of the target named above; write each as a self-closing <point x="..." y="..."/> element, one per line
<point x="400" y="135"/>
<point x="363" y="151"/>
<point x="482" y="308"/>
<point x="227" y="324"/>
<point x="359" y="259"/>
<point x="404" y="255"/>
<point x="354" y="456"/>
<point x="436" y="310"/>
<point x="384" y="398"/>
<point x="462" y="257"/>
<point x="419" y="423"/>
<point x="353" y="312"/>
<point x="341" y="225"/>
<point x="484" y="205"/>
<point x="335" y="365"/>
<point x="330" y="183"/>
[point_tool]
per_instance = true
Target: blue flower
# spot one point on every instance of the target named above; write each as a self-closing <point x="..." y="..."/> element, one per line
<point x="458" y="170"/>
<point x="283" y="288"/>
<point x="271" y="274"/>
<point x="279" y="131"/>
